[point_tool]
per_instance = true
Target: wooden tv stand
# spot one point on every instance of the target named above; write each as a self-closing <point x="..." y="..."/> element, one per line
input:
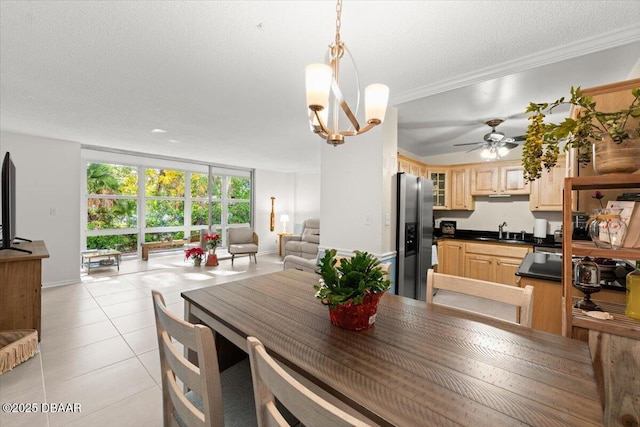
<point x="21" y="285"/>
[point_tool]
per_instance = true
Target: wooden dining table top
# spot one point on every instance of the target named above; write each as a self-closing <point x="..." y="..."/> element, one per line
<point x="419" y="365"/>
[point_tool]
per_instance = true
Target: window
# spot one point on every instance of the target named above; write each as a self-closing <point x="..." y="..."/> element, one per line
<point x="171" y="203"/>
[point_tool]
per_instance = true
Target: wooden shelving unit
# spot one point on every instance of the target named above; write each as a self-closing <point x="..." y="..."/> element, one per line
<point x="613" y="343"/>
<point x="581" y="248"/>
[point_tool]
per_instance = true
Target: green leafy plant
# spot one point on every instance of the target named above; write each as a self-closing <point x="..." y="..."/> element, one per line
<point x="352" y="280"/>
<point x="543" y="140"/>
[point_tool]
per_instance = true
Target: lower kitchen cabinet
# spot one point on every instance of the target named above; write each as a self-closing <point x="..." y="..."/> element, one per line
<point x="450" y="257"/>
<point x="547" y="304"/>
<point x="494" y="262"/>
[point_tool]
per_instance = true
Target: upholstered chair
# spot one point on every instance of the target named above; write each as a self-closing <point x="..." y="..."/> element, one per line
<point x="243" y="241"/>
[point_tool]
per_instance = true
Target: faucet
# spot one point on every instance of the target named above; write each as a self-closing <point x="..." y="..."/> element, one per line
<point x="500" y="226"/>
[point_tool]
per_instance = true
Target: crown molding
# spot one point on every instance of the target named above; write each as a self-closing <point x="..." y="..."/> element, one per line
<point x="615" y="38"/>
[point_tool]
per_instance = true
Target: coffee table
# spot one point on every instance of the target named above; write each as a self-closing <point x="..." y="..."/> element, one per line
<point x="100" y="258"/>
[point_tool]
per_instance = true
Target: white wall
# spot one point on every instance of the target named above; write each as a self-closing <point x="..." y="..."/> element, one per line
<point x="490" y="212"/>
<point x="282" y="187"/>
<point x="356" y="184"/>
<point x="307" y="201"/>
<point x="48" y="178"/>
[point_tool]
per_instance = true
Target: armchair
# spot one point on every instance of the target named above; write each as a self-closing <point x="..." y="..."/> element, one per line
<point x="306" y="244"/>
<point x="243" y="241"/>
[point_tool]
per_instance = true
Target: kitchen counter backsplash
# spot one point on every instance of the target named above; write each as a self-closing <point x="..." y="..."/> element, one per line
<point x="492" y="236"/>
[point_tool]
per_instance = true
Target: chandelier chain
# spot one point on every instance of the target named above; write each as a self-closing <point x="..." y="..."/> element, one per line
<point x="338" y="21"/>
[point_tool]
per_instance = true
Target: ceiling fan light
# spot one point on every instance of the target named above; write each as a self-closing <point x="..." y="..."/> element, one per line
<point x="376" y="97"/>
<point x="485" y="153"/>
<point x="503" y="151"/>
<point x="318" y="81"/>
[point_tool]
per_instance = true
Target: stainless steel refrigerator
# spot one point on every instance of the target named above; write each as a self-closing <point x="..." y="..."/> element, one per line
<point x="414" y="234"/>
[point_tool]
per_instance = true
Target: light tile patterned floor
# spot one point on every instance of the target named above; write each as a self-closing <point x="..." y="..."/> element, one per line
<point x="99" y="348"/>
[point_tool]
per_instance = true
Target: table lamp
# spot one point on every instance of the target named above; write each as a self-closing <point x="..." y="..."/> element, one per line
<point x="284" y="219"/>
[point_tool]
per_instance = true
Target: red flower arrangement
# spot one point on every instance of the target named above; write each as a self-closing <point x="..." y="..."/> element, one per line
<point x="213" y="240"/>
<point x="194" y="253"/>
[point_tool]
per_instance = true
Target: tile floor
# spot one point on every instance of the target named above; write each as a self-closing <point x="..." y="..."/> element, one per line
<point x="99" y="347"/>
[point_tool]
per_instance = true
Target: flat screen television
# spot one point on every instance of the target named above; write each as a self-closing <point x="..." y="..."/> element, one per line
<point x="9" y="205"/>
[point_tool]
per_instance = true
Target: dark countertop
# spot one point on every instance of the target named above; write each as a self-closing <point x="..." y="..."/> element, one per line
<point x="543" y="266"/>
<point x="492" y="236"/>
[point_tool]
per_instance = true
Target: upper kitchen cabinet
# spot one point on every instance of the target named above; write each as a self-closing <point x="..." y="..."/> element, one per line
<point x="546" y="191"/>
<point x="411" y="166"/>
<point x="441" y="187"/>
<point x="461" y="198"/>
<point x="498" y="179"/>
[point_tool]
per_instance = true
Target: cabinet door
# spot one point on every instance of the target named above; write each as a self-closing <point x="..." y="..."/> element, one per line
<point x="440" y="179"/>
<point x="484" y="181"/>
<point x="440" y="267"/>
<point x="461" y="198"/>
<point x="546" y="191"/>
<point x="452" y="261"/>
<point x="506" y="269"/>
<point x="512" y="180"/>
<point x="479" y="267"/>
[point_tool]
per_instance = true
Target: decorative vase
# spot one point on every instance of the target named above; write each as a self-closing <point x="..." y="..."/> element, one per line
<point x="356" y="317"/>
<point x="197" y="262"/>
<point x="607" y="229"/>
<point x="212" y="258"/>
<point x="612" y="157"/>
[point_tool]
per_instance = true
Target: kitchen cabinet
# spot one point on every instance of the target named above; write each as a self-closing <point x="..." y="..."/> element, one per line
<point x="441" y="191"/>
<point x="450" y="257"/>
<point x="494" y="263"/>
<point x="615" y="342"/>
<point x="546" y="191"/>
<point x="461" y="199"/>
<point x="547" y="304"/>
<point x="505" y="178"/>
<point x="410" y="166"/>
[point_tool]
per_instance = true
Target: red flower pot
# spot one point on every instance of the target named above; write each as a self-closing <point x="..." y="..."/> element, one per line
<point x="356" y="317"/>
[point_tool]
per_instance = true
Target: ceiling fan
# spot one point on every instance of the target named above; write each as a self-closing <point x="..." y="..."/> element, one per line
<point x="495" y="144"/>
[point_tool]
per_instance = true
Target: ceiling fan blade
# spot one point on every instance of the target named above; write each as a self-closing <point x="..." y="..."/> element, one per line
<point x="510" y="145"/>
<point x="469" y="143"/>
<point x="473" y="149"/>
<point x="520" y="138"/>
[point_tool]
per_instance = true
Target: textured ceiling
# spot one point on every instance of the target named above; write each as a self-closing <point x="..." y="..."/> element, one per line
<point x="226" y="79"/>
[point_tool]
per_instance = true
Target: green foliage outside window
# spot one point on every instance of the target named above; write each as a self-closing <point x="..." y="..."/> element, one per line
<point x="125" y="243"/>
<point x="112" y="202"/>
<point x="164" y="213"/>
<point x="164" y="183"/>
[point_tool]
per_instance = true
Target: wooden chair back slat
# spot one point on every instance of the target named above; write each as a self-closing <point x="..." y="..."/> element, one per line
<point x="203" y="379"/>
<point x="520" y="297"/>
<point x="271" y="381"/>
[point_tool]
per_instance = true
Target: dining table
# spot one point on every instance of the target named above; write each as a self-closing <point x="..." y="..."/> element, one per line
<point x="419" y="365"/>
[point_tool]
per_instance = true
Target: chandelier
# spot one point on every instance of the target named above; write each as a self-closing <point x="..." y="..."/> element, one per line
<point x="323" y="79"/>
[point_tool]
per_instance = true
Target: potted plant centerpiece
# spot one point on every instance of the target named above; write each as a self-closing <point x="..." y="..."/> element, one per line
<point x="610" y="139"/>
<point x="351" y="288"/>
<point x="196" y="254"/>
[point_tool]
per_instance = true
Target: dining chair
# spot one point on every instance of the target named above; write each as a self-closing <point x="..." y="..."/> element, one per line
<point x="202" y="381"/>
<point x="271" y="381"/>
<point x="520" y="297"/>
<point x="208" y="398"/>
